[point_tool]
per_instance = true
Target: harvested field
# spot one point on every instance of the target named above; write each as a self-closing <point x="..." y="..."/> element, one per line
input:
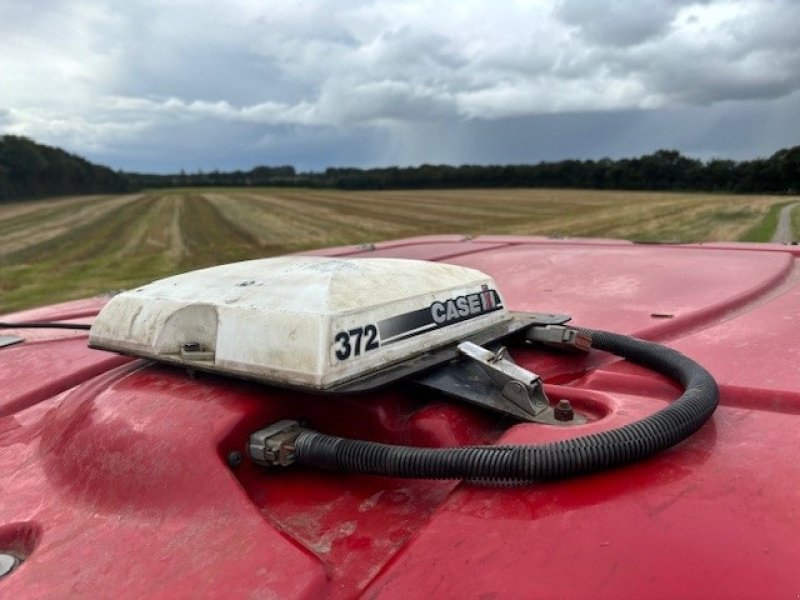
<point x="74" y="247"/>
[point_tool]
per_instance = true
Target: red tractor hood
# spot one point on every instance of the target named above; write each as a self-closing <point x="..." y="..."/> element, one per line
<point x="114" y="480"/>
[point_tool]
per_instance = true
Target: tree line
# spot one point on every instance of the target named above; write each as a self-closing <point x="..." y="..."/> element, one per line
<point x="29" y="170"/>
<point x="662" y="170"/>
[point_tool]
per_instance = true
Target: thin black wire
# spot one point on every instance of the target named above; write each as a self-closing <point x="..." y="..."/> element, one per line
<point x="44" y="325"/>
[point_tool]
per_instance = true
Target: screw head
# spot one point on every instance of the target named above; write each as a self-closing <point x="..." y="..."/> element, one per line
<point x="234" y="459"/>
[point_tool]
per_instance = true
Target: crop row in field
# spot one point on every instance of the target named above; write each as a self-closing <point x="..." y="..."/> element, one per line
<point x="75" y="247"/>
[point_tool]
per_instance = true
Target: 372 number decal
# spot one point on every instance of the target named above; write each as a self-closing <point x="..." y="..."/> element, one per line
<point x="355" y="341"/>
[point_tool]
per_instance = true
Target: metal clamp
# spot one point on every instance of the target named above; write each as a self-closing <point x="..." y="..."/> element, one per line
<point x="493" y="380"/>
<point x="518" y="385"/>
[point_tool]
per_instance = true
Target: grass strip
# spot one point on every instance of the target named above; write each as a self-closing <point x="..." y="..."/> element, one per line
<point x="765" y="228"/>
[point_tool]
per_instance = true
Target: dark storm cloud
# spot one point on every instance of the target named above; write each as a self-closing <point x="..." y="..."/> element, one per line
<point x="694" y="53"/>
<point x="153" y="85"/>
<point x="619" y="22"/>
<point x="737" y="130"/>
<point x="243" y="146"/>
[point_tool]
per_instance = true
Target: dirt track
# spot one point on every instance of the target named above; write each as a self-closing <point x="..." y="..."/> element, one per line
<point x="783" y="231"/>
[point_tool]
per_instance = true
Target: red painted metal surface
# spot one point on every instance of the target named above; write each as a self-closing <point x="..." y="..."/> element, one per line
<point x="113" y="479"/>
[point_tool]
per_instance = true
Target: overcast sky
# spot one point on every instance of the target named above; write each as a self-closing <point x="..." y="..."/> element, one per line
<point x="160" y="86"/>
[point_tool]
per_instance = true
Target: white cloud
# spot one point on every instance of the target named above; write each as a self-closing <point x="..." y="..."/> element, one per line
<point x="97" y="75"/>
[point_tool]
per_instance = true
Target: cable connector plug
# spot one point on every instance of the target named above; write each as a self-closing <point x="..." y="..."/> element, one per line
<point x="558" y="336"/>
<point x="274" y="445"/>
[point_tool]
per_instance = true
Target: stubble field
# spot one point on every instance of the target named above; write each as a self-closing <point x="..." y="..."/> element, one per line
<point x="68" y="248"/>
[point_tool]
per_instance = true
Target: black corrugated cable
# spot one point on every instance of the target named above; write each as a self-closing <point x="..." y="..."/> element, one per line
<point x="503" y="464"/>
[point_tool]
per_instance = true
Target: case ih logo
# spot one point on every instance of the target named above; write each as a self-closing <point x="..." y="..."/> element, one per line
<point x="439" y="314"/>
<point x="464" y="307"/>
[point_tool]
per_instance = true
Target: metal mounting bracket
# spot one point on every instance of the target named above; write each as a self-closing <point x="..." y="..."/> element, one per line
<point x="490" y="378"/>
<point x="516" y="384"/>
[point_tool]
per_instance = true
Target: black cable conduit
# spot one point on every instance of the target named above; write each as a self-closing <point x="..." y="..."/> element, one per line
<point x="500" y="465"/>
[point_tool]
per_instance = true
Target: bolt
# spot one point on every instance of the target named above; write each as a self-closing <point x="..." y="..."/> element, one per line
<point x="234" y="459"/>
<point x="563" y="411"/>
